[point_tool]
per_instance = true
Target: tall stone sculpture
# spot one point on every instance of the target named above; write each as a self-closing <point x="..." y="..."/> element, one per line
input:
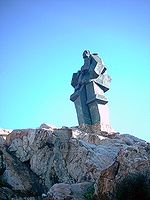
<point x="90" y="84"/>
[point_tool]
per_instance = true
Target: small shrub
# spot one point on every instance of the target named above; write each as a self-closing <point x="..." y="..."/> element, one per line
<point x="89" y="194"/>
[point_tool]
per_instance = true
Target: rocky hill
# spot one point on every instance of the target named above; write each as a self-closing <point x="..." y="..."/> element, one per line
<point x="71" y="164"/>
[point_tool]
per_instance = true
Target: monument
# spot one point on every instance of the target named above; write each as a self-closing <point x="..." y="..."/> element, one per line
<point x="90" y="84"/>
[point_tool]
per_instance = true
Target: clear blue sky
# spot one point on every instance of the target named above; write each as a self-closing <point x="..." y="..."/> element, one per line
<point x="41" y="45"/>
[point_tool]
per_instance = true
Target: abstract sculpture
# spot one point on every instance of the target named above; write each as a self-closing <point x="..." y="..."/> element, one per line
<point x="90" y="84"/>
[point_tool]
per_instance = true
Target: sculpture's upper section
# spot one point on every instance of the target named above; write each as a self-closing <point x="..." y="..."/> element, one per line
<point x="92" y="70"/>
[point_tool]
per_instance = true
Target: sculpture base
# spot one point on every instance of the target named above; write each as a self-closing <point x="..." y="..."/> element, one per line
<point x="97" y="128"/>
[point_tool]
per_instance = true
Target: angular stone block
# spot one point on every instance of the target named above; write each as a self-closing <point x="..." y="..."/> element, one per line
<point x="95" y="93"/>
<point x="82" y="109"/>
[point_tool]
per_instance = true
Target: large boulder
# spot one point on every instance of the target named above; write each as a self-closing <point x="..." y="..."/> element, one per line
<point x="16" y="178"/>
<point x="59" y="158"/>
<point x="56" y="156"/>
<point x="132" y="164"/>
<point x="45" y="150"/>
<point x="78" y="191"/>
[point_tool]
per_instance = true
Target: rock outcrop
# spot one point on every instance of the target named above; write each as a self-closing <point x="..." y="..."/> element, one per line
<point x="68" y="163"/>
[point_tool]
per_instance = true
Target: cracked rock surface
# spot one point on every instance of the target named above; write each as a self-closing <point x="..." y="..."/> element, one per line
<point x="51" y="163"/>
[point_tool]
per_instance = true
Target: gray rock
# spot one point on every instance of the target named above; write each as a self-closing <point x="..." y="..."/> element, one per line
<point x="130" y="160"/>
<point x="76" y="191"/>
<point x="85" y="161"/>
<point x="63" y="157"/>
<point x="6" y="193"/>
<point x="2" y="163"/>
<point x="19" y="177"/>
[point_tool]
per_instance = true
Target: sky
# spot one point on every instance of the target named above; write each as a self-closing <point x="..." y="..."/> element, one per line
<point x="41" y="46"/>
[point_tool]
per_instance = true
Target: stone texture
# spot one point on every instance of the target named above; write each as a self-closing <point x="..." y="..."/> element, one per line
<point x="47" y="126"/>
<point x="25" y="142"/>
<point x="92" y="134"/>
<point x="134" y="158"/>
<point x="16" y="178"/>
<point x="2" y="141"/>
<point x="35" y="161"/>
<point x="2" y="163"/>
<point x="86" y="161"/>
<point x="45" y="150"/>
<point x="19" y="177"/>
<point x="6" y="193"/>
<point x="76" y="191"/>
<point x="4" y="132"/>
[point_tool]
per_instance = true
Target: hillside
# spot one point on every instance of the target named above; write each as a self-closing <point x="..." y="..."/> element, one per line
<point x="70" y="163"/>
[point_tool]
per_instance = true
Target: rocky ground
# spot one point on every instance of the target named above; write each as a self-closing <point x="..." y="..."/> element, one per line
<point x="69" y="164"/>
